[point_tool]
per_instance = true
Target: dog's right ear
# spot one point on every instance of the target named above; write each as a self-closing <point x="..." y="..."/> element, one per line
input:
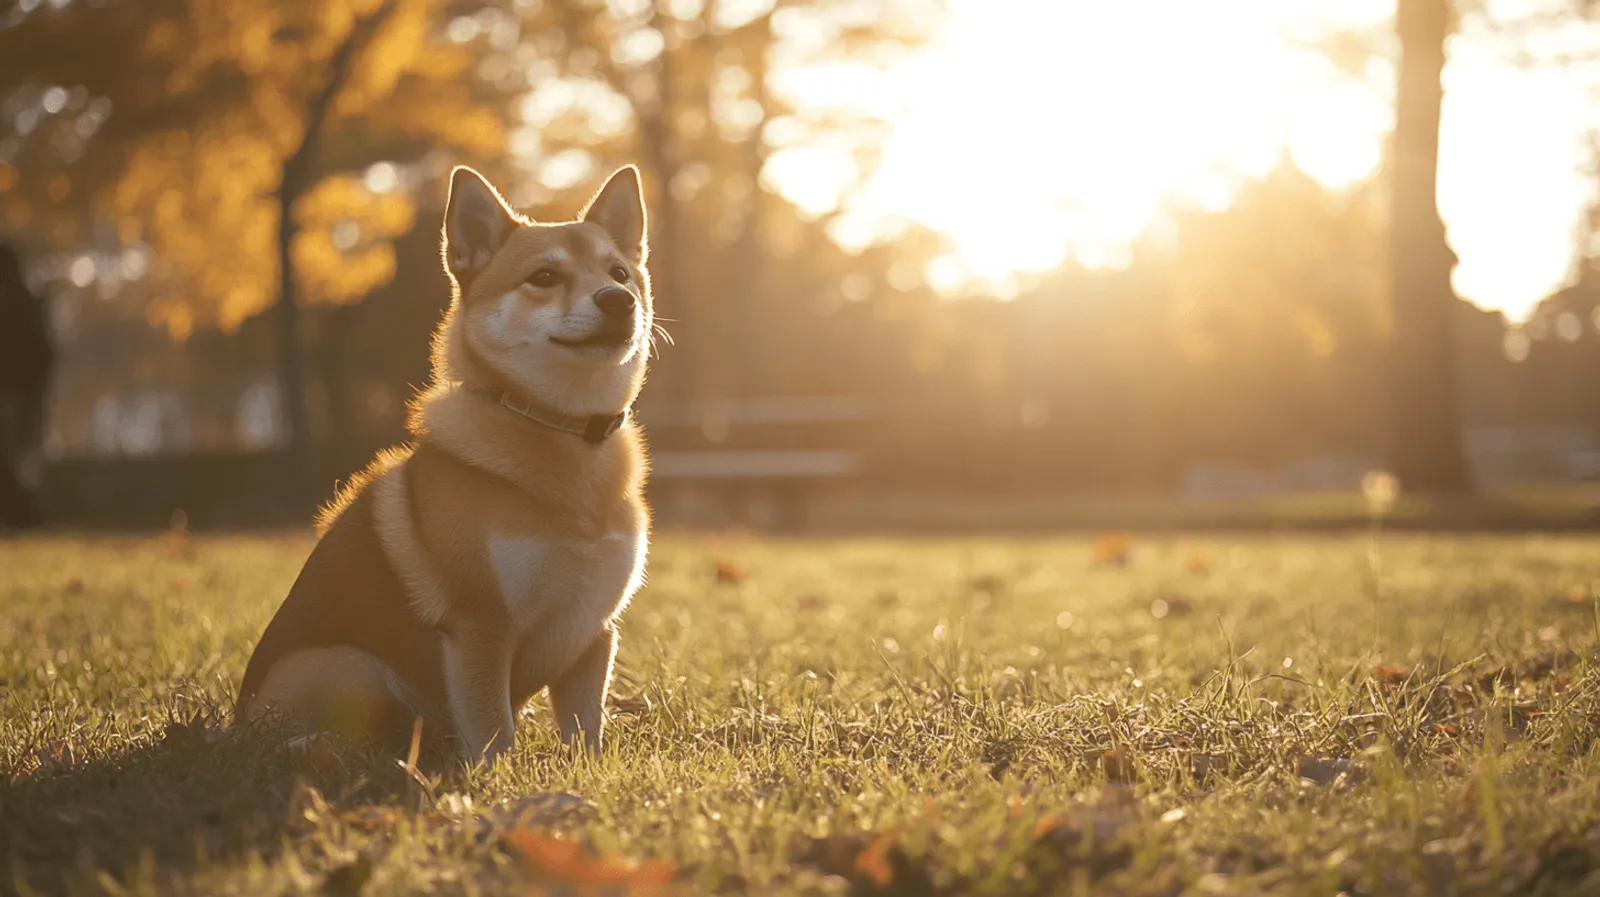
<point x="476" y="223"/>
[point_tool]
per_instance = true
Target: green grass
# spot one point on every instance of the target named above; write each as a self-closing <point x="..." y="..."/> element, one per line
<point x="950" y="716"/>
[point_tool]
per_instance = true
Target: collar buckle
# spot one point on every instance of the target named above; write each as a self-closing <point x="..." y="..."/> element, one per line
<point x="600" y="426"/>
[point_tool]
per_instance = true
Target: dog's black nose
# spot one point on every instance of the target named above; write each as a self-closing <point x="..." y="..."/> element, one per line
<point x="614" y="301"/>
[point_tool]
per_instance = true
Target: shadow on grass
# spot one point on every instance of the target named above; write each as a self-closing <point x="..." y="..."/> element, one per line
<point x="200" y="795"/>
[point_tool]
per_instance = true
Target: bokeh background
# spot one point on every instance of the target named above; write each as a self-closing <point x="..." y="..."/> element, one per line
<point x="926" y="263"/>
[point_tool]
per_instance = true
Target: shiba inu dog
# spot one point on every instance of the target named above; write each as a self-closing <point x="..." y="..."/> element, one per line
<point x="457" y="577"/>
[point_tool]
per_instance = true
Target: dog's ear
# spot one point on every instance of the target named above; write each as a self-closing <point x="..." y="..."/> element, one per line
<point x="476" y="222"/>
<point x="619" y="208"/>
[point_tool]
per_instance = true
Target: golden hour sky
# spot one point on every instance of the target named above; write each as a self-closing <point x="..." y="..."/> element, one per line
<point x="1034" y="129"/>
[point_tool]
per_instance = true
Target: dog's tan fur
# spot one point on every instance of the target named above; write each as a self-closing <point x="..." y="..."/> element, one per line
<point x="456" y="578"/>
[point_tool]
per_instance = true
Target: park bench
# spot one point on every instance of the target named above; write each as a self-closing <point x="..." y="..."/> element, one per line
<point x="751" y="460"/>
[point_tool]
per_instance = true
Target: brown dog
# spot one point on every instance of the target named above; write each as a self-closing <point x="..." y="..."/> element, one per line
<point x="458" y="577"/>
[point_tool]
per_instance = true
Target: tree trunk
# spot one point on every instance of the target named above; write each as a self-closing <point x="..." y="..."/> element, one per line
<point x="745" y="301"/>
<point x="1425" y="430"/>
<point x="296" y="178"/>
<point x="291" y="354"/>
<point x="656" y="147"/>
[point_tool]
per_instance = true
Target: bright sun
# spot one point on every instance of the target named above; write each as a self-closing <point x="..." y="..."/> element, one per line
<point x="1032" y="131"/>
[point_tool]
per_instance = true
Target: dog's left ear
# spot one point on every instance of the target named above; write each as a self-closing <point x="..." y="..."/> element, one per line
<point x="476" y="223"/>
<point x="619" y="208"/>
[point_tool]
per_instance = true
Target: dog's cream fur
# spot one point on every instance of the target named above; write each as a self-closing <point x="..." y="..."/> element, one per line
<point x="459" y="576"/>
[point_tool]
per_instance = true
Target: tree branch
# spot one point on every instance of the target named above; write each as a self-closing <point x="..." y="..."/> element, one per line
<point x="297" y="166"/>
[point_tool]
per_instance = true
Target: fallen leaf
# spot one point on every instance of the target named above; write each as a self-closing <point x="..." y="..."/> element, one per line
<point x="74" y="586"/>
<point x="874" y="861"/>
<point x="1119" y="766"/>
<point x="1113" y="549"/>
<point x="1198" y="561"/>
<point x="729" y="572"/>
<point x="1392" y="674"/>
<point x="564" y="862"/>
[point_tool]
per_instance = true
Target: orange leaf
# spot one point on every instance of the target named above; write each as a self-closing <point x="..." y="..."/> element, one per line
<point x="730" y="573"/>
<point x="1113" y="549"/>
<point x="1119" y="766"/>
<point x="874" y="861"/>
<point x="566" y="862"/>
<point x="1392" y="674"/>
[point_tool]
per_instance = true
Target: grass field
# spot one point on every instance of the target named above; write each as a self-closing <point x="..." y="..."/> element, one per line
<point x="1250" y="715"/>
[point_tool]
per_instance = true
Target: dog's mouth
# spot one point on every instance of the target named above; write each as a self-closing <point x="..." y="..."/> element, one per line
<point x="609" y="338"/>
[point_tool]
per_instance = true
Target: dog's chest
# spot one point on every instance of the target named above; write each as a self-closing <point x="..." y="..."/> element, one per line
<point x="564" y="584"/>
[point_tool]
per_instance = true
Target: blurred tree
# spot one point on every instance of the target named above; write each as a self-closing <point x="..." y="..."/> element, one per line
<point x="1425" y="449"/>
<point x="1558" y="347"/>
<point x="1278" y="313"/>
<point x="691" y="90"/>
<point x="227" y="137"/>
<point x="1425" y="408"/>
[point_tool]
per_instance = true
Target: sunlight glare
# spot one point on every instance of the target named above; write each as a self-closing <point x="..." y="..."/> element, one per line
<point x="1076" y="123"/>
<point x="1030" y="132"/>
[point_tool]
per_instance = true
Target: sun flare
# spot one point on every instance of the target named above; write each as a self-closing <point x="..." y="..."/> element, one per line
<point x="1029" y="133"/>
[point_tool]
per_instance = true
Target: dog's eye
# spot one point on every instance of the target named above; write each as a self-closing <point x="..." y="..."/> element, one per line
<point x="619" y="274"/>
<point x="545" y="277"/>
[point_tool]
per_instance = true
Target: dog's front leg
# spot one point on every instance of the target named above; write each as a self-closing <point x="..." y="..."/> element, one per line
<point x="578" y="697"/>
<point x="477" y="675"/>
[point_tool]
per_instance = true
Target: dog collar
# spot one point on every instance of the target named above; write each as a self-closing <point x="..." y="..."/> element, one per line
<point x="593" y="429"/>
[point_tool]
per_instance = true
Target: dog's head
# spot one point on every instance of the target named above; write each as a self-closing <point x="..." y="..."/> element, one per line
<point x="558" y="312"/>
